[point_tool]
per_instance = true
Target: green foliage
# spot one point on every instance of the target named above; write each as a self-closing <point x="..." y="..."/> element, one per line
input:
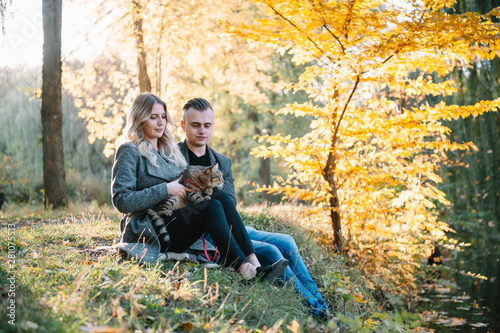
<point x="87" y="170"/>
<point x="20" y="133"/>
<point x="471" y="179"/>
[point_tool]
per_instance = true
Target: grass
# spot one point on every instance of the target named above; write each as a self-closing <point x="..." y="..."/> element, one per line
<point x="60" y="287"/>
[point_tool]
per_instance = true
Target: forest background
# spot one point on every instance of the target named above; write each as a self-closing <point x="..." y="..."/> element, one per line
<point x="181" y="50"/>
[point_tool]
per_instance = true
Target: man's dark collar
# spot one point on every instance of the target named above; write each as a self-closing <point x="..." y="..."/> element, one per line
<point x="185" y="151"/>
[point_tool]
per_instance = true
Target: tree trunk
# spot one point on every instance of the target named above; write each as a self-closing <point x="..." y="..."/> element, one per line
<point x="335" y="214"/>
<point x="4" y="7"/>
<point x="335" y="217"/>
<point x="265" y="177"/>
<point x="144" y="81"/>
<point x="329" y="176"/>
<point x="54" y="174"/>
<point x="330" y="167"/>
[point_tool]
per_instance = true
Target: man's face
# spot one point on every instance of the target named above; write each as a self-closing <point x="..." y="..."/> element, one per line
<point x="199" y="126"/>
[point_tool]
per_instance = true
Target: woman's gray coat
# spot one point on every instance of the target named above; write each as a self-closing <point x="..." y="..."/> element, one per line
<point x="137" y="185"/>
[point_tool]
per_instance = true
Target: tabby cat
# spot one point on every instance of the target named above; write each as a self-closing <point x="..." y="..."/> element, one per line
<point x="201" y="180"/>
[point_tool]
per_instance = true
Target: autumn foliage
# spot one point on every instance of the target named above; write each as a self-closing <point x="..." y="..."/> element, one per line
<point x="370" y="161"/>
<point x="177" y="50"/>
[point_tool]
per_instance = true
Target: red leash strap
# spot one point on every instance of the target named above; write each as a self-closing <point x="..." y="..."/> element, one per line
<point x="206" y="253"/>
<point x="187" y="181"/>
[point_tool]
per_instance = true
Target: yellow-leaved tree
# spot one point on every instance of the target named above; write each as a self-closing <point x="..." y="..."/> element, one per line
<point x="370" y="160"/>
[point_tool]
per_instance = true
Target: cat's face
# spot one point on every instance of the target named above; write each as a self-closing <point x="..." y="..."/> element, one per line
<point x="215" y="176"/>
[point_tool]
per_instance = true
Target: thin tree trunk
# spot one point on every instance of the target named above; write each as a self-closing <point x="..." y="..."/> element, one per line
<point x="144" y="81"/>
<point x="329" y="175"/>
<point x="330" y="167"/>
<point x="54" y="174"/>
<point x="4" y="6"/>
<point x="265" y="163"/>
<point x="265" y="177"/>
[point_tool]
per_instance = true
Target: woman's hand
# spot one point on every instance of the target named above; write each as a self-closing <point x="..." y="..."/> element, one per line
<point x="176" y="189"/>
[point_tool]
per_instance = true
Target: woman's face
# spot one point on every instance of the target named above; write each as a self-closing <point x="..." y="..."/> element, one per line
<point x="155" y="125"/>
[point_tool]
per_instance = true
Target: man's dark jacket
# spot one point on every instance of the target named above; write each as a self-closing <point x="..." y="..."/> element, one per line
<point x="224" y="165"/>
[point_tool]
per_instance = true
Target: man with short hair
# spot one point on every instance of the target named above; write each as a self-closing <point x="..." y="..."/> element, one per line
<point x="198" y="124"/>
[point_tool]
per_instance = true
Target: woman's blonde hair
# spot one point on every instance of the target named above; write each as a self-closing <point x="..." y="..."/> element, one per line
<point x="139" y="112"/>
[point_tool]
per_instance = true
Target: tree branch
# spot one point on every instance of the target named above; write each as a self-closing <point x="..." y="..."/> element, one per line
<point x="401" y="47"/>
<point x="325" y="25"/>
<point x="299" y="30"/>
<point x="347" y="21"/>
<point x="358" y="78"/>
<point x="334" y="137"/>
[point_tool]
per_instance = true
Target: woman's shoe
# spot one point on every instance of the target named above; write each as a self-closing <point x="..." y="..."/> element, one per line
<point x="272" y="272"/>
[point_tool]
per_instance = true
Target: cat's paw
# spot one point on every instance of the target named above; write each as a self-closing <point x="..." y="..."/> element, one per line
<point x="207" y="197"/>
<point x="198" y="200"/>
<point x="166" y="212"/>
<point x="153" y="214"/>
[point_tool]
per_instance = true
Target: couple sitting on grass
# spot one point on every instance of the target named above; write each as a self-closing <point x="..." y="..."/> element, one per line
<point x="146" y="171"/>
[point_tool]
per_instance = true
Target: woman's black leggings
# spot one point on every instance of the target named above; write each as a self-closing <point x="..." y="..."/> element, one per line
<point x="220" y="219"/>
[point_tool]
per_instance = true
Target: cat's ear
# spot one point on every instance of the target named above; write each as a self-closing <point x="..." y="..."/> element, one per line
<point x="214" y="167"/>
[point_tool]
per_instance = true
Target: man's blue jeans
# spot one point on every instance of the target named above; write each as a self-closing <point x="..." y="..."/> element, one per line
<point x="270" y="247"/>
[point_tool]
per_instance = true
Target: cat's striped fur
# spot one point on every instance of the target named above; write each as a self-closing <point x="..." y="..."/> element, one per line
<point x="201" y="181"/>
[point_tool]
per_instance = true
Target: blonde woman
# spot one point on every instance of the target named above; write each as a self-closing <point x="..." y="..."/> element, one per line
<point x="144" y="173"/>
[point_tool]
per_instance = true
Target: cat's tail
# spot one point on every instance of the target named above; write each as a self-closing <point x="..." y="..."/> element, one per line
<point x="161" y="230"/>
